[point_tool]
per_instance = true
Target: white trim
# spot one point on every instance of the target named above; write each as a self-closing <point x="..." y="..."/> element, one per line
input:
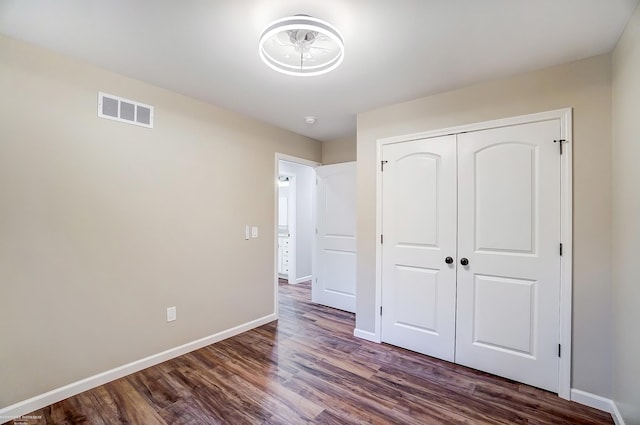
<point x="484" y="125"/>
<point x="369" y="336"/>
<point x="591" y="400"/>
<point x="597" y="402"/>
<point x="288" y="158"/>
<point x="295" y="160"/>
<point x="616" y="415"/>
<point x="564" y="115"/>
<point x="566" y="261"/>
<point x="38" y="402"/>
<point x="303" y="279"/>
<point x="378" y="296"/>
<point x="292" y="219"/>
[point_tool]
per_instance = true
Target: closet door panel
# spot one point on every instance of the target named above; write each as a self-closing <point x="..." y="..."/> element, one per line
<point x="419" y="228"/>
<point x="509" y="231"/>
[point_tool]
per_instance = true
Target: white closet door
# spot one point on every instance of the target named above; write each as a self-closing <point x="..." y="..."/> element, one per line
<point x="419" y="228"/>
<point x="335" y="251"/>
<point x="509" y="230"/>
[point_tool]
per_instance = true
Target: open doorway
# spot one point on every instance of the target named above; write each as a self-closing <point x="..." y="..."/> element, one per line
<point x="315" y="230"/>
<point x="286" y="222"/>
<point x="296" y="228"/>
<point x="294" y="231"/>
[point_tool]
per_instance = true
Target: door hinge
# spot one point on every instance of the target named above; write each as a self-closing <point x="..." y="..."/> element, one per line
<point x="316" y="230"/>
<point x="559" y="350"/>
<point x="381" y="239"/>
<point x="380" y="310"/>
<point x="560" y="142"/>
<point x="561" y="250"/>
<point x="382" y="165"/>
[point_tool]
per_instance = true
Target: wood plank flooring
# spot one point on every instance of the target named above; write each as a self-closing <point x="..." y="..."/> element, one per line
<point x="307" y="368"/>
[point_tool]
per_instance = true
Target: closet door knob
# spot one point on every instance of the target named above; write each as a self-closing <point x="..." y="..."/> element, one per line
<point x="464" y="261"/>
<point x="448" y="260"/>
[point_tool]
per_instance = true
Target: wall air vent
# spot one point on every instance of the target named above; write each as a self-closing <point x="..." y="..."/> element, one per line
<point x="124" y="110"/>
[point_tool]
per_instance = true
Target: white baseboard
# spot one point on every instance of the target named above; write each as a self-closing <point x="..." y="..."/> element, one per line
<point x="597" y="402"/>
<point x="369" y="336"/>
<point x="303" y="279"/>
<point x="617" y="416"/>
<point x="38" y="402"/>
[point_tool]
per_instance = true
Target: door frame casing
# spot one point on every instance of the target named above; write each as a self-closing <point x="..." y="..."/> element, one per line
<point x="301" y="161"/>
<point x="566" y="222"/>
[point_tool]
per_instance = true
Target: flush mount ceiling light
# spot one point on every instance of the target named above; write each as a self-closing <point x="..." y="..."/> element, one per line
<point x="301" y="45"/>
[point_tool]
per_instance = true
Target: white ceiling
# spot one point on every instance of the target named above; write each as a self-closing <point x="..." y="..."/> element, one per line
<point x="394" y="50"/>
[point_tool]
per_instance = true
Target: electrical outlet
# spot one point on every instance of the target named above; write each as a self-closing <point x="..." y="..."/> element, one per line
<point x="171" y="314"/>
<point x="254" y="232"/>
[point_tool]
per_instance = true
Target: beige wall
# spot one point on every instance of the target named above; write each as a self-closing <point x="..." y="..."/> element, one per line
<point x="339" y="150"/>
<point x="586" y="87"/>
<point x="626" y="222"/>
<point x="104" y="225"/>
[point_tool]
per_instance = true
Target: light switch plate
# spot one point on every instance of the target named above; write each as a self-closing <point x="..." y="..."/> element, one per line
<point x="171" y="314"/>
<point x="247" y="233"/>
<point x="254" y="232"/>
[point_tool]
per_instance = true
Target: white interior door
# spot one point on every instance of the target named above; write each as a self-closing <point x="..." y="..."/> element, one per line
<point x="509" y="231"/>
<point x="335" y="251"/>
<point x="419" y="228"/>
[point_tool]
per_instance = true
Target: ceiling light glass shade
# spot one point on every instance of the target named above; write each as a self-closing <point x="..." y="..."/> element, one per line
<point x="301" y="45"/>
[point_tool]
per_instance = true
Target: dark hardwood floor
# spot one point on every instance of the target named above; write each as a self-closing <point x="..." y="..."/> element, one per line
<point x="308" y="368"/>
